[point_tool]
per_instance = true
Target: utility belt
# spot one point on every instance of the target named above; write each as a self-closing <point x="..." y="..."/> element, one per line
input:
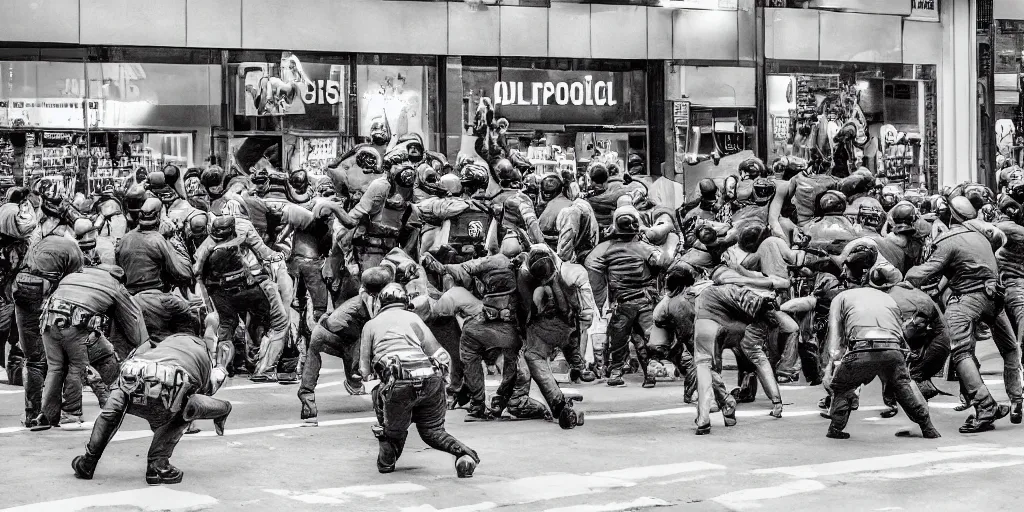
<point x="992" y="289"/>
<point x="499" y="307"/>
<point x="63" y="314"/>
<point x="408" y="366"/>
<point x="876" y="345"/>
<point x="146" y="383"/>
<point x="643" y="294"/>
<point x="29" y="281"/>
<point x="233" y="280"/>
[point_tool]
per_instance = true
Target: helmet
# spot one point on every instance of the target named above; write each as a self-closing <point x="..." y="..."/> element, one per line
<point x="299" y="181"/>
<point x="474" y="177"/>
<point x="764" y="191"/>
<point x="752" y="168"/>
<point x="85" y="233"/>
<point x="988" y="212"/>
<point x="160" y="186"/>
<point x="507" y="174"/>
<point x="978" y="195"/>
<point x="213" y="180"/>
<point x="368" y="159"/>
<point x="731" y="183"/>
<point x="380" y="132"/>
<point x="889" y="199"/>
<point x="903" y="215"/>
<point x="531" y="186"/>
<point x="708" y="189"/>
<point x="626" y="221"/>
<point x="789" y="166"/>
<point x="223" y="228"/>
<point x="832" y="202"/>
<point x="402" y="175"/>
<point x="172" y="175"/>
<point x="1010" y="208"/>
<point x="429" y="180"/>
<point x="750" y="236"/>
<point x="134" y="197"/>
<point x="149" y="214"/>
<point x="540" y="264"/>
<point x="635" y="164"/>
<point x="680" y="275"/>
<point x="862" y="257"/>
<point x="374" y="279"/>
<point x="192" y="182"/>
<point x="598" y="174"/>
<point x="961" y="209"/>
<point x="884" y="276"/>
<point x="451" y="185"/>
<point x="550" y="187"/>
<point x="1016" y="190"/>
<point x="870" y="216"/>
<point x="199" y="227"/>
<point x="392" y="294"/>
<point x="413" y="145"/>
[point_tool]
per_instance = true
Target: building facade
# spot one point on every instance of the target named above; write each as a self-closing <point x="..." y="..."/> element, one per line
<point x="101" y="88"/>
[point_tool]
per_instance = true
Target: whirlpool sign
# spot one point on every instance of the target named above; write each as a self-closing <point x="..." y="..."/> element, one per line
<point x="563" y="97"/>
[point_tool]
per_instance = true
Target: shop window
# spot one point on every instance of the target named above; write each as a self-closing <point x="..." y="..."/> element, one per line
<point x="400" y="93"/>
<point x="1009" y="116"/>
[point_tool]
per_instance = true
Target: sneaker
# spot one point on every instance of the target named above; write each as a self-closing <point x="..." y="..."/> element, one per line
<point x="39" y="423"/>
<point x="836" y="434"/>
<point x="287" y="378"/>
<point x="355" y="391"/>
<point x="70" y="421"/>
<point x="310" y="422"/>
<point x="163" y="473"/>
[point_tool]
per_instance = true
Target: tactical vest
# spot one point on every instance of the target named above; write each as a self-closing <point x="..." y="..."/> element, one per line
<point x="498" y="291"/>
<point x="604" y="203"/>
<point x="469" y="230"/>
<point x="549" y="219"/>
<point x="226" y="266"/>
<point x="389" y="220"/>
<point x="808" y="188"/>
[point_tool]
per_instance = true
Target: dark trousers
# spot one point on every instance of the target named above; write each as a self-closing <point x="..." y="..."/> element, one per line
<point x="544" y="336"/>
<point x="324" y="341"/>
<point x="232" y="304"/>
<point x="630" y="320"/>
<point x="167" y="427"/>
<point x="403" y="403"/>
<point x="477" y="340"/>
<point x="28" y="305"/>
<point x="66" y="359"/>
<point x="964" y="313"/>
<point x="308" y="275"/>
<point x="859" y="368"/>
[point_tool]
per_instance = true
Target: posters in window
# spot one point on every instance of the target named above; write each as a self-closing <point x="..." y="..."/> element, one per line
<point x="289" y="88"/>
<point x="394" y="93"/>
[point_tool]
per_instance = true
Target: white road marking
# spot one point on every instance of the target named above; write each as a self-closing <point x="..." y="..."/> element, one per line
<point x="341" y="495"/>
<point x="487" y="505"/>
<point x="903" y="460"/>
<point x="549" y="487"/>
<point x="645" y="472"/>
<point x="749" y="498"/>
<point x="149" y="498"/>
<point x="949" y="468"/>
<point x="645" y="502"/>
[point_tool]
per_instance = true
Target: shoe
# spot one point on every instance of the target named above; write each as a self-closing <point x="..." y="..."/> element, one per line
<point x="84" y="467"/>
<point x="836" y="434"/>
<point x="38" y="424"/>
<point x="163" y="473"/>
<point x="354" y="391"/>
<point x="930" y="433"/>
<point x="649" y="382"/>
<point x="890" y="412"/>
<point x="479" y="412"/>
<point x="70" y="421"/>
<point x="616" y="378"/>
<point x="287" y="378"/>
<point x="385" y="468"/>
<point x="973" y="426"/>
<point x="1016" y="412"/>
<point x="729" y="412"/>
<point x="192" y="429"/>
<point x="465" y="466"/>
<point x="703" y="430"/>
<point x="310" y="422"/>
<point x="964" y="404"/>
<point x="785" y="378"/>
<point x="263" y="377"/>
<point x="776" y="410"/>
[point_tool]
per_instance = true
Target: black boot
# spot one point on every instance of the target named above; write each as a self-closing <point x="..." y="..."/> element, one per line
<point x="569" y="418"/>
<point x="85" y="465"/>
<point x="202" y="407"/>
<point x="162" y="472"/>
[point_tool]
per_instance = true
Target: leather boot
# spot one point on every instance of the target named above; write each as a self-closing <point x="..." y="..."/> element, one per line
<point x="1016" y="412"/>
<point x="85" y="465"/>
<point x="202" y="407"/>
<point x="479" y="412"/>
<point x="162" y="472"/>
<point x="615" y="377"/>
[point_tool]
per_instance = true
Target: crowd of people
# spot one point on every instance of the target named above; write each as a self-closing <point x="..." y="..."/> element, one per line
<point x="427" y="275"/>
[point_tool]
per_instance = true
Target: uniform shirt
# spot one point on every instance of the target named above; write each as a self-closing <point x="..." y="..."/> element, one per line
<point x="570" y="286"/>
<point x="514" y="208"/>
<point x="676" y="313"/>
<point x="95" y="289"/>
<point x="605" y="202"/>
<point x="149" y="261"/>
<point x="804" y="190"/>
<point x="569" y="226"/>
<point x="617" y="266"/>
<point x="246" y="236"/>
<point x="395" y="331"/>
<point x="963" y="256"/>
<point x="54" y="256"/>
<point x="347" y="320"/>
<point x="857" y="311"/>
<point x="1010" y="256"/>
<point x="184" y="350"/>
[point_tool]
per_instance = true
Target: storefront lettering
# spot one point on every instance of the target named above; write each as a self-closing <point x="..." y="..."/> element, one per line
<point x="579" y="93"/>
<point x="924" y="4"/>
<point x="322" y="92"/>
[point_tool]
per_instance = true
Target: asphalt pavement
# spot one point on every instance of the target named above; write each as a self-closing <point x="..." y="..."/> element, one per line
<point x="636" y="451"/>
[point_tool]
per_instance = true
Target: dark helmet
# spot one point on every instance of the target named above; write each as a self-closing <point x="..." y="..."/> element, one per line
<point x="374" y="279"/>
<point x="402" y="175"/>
<point x="171" y="174"/>
<point x="430" y="180"/>
<point x="299" y="181"/>
<point x="832" y="202"/>
<point x="149" y="214"/>
<point x="223" y="228"/>
<point x="540" y="264"/>
<point x="1010" y="208"/>
<point x="708" y="189"/>
<point x="679" y="276"/>
<point x="750" y="236"/>
<point x="626" y="221"/>
<point x="158" y="184"/>
<point x="904" y="216"/>
<point x="550" y="187"/>
<point x="961" y="209"/>
<point x="889" y="200"/>
<point x="474" y="177"/>
<point x="870" y="216"/>
<point x="414" y="145"/>
<point x="199" y="227"/>
<point x="862" y="257"/>
<point x="393" y="294"/>
<point x="942" y="210"/>
<point x="764" y="191"/>
<point x="134" y="198"/>
<point x="978" y="195"/>
<point x="752" y="168"/>
<point x="368" y="159"/>
<point x="598" y="174"/>
<point x="531" y="185"/>
<point x="507" y="173"/>
<point x="635" y="164"/>
<point x="1016" y="190"/>
<point x="213" y="180"/>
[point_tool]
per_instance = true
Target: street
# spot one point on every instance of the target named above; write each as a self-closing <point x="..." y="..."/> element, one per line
<point x="636" y="451"/>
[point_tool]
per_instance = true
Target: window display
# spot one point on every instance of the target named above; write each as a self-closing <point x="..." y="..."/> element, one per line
<point x="398" y="97"/>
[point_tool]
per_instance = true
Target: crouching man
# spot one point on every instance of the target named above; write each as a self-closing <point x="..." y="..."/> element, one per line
<point x="169" y="385"/>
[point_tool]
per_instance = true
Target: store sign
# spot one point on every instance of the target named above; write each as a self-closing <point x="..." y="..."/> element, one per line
<point x="531" y="95"/>
<point x="320" y="152"/>
<point x="681" y="114"/>
<point x="924" y="10"/>
<point x="49" y="112"/>
<point x="268" y="90"/>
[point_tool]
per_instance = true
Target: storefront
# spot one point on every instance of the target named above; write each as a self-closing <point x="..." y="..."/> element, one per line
<point x="564" y="113"/>
<point x="1009" y="89"/>
<point x="97" y="123"/>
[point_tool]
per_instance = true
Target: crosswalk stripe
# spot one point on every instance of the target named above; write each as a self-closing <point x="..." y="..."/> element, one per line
<point x="476" y="507"/>
<point x="146" y="499"/>
<point x="639" y="503"/>
<point x="342" y="495"/>
<point x="748" y="498"/>
<point x="886" y="462"/>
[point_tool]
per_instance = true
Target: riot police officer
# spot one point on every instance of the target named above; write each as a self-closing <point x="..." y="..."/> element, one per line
<point x="568" y="224"/>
